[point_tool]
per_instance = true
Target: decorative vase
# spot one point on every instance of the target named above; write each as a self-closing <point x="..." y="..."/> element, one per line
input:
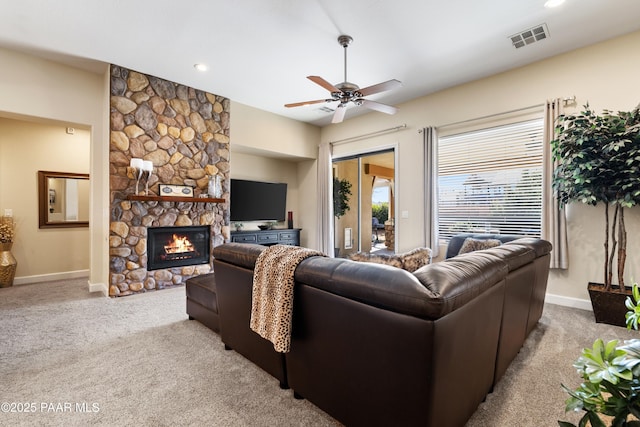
<point x="215" y="186"/>
<point x="8" y="265"/>
<point x="290" y="219"/>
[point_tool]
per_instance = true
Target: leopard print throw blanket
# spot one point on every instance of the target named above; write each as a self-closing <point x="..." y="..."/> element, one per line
<point x="272" y="299"/>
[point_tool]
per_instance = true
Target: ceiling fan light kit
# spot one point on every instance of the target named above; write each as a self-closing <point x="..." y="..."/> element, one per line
<point x="346" y="92"/>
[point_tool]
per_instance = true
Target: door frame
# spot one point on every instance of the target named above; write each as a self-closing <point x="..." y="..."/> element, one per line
<point x="358" y="154"/>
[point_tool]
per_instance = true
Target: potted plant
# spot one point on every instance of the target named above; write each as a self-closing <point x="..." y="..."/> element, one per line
<point x="598" y="160"/>
<point x="611" y="378"/>
<point x="341" y="193"/>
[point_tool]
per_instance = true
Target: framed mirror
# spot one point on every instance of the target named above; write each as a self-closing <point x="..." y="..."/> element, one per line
<point x="63" y="199"/>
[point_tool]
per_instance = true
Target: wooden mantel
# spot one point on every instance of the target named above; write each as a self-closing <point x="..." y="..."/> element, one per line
<point x="154" y="198"/>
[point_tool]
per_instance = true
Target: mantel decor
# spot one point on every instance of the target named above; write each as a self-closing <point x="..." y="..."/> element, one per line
<point x="169" y="190"/>
<point x="152" y="198"/>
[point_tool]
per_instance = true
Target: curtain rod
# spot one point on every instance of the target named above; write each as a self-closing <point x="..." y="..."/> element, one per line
<point x="517" y="110"/>
<point x="568" y="100"/>
<point x="366" y="135"/>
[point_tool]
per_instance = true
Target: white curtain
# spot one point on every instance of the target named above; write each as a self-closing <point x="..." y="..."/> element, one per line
<point x="430" y="142"/>
<point x="554" y="222"/>
<point x="325" y="200"/>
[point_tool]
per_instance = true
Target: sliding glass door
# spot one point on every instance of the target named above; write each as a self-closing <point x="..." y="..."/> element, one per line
<point x="364" y="203"/>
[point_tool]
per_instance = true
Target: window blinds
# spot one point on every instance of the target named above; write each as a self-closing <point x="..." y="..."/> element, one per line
<point x="490" y="181"/>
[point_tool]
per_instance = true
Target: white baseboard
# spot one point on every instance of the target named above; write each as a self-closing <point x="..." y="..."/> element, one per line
<point x="24" y="280"/>
<point x="98" y="287"/>
<point x="582" y="304"/>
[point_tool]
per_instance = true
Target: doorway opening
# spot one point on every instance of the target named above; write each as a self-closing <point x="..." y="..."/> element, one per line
<point x="364" y="203"/>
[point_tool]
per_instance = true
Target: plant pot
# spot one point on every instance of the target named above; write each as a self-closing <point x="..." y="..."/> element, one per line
<point x="608" y="306"/>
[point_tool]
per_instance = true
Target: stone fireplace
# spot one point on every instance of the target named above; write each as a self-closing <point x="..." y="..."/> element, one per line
<point x="184" y="132"/>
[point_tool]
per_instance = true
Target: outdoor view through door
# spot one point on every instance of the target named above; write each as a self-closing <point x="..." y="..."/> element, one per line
<point x="364" y="203"/>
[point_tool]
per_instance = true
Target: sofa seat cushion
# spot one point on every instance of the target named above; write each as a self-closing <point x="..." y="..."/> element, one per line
<point x="202" y="289"/>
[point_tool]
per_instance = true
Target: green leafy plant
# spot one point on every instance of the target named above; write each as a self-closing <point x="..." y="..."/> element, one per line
<point x="633" y="305"/>
<point x="611" y="378"/>
<point x="341" y="193"/>
<point x="380" y="211"/>
<point x="598" y="159"/>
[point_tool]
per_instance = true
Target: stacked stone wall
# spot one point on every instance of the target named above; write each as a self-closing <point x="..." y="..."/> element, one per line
<point x="184" y="132"/>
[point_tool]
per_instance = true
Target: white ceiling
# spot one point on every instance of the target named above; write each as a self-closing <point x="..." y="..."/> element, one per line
<point x="259" y="52"/>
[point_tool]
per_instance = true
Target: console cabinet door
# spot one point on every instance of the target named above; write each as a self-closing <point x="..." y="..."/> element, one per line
<point x="289" y="238"/>
<point x="268" y="237"/>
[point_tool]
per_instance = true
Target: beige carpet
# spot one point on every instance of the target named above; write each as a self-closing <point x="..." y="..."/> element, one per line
<point x="77" y="359"/>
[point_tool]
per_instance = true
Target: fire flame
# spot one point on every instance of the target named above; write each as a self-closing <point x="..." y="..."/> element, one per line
<point x="180" y="244"/>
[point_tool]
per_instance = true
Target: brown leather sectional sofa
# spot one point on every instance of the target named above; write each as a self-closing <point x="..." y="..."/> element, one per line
<point x="376" y="345"/>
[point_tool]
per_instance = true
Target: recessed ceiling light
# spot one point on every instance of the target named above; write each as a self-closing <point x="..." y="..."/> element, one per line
<point x="553" y="3"/>
<point x="200" y="67"/>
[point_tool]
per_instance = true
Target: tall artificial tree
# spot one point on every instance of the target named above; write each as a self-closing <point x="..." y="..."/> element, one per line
<point x="598" y="159"/>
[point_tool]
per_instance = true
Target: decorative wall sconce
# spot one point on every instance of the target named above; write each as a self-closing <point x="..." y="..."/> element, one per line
<point x="139" y="167"/>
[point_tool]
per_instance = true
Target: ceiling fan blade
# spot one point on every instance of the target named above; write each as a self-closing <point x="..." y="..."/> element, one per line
<point x="325" y="84"/>
<point x="383" y="108"/>
<point x="300" y="104"/>
<point x="380" y="87"/>
<point x="338" y="116"/>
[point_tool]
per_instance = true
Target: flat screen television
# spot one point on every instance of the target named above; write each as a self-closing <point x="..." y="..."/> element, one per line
<point x="257" y="201"/>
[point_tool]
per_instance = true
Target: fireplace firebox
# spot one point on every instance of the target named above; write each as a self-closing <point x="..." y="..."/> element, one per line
<point x="169" y="247"/>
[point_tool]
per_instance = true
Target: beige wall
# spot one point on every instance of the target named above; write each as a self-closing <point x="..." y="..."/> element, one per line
<point x="36" y="88"/>
<point x="605" y="75"/>
<point x="257" y="168"/>
<point x="268" y="134"/>
<point x="268" y="147"/>
<point x="25" y="148"/>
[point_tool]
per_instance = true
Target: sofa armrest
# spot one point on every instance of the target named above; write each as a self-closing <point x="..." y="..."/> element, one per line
<point x="240" y="254"/>
<point x="539" y="246"/>
<point x="379" y="285"/>
<point x="429" y="293"/>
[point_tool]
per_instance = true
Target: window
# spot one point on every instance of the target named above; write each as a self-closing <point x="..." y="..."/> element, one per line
<point x="490" y="181"/>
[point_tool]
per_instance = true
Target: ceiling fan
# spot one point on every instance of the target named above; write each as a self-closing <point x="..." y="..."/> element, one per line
<point x="346" y="92"/>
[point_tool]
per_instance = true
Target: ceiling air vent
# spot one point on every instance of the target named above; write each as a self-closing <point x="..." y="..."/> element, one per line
<point x="530" y="36"/>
